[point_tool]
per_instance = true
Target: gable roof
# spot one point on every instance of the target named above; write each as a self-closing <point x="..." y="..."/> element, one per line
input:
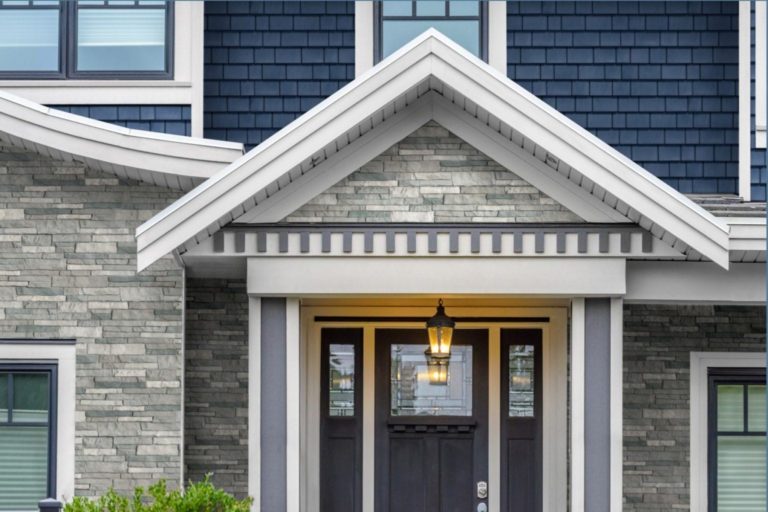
<point x="167" y="160"/>
<point x="432" y="78"/>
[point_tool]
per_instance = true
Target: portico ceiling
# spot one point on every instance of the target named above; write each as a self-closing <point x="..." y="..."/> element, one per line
<point x="432" y="78"/>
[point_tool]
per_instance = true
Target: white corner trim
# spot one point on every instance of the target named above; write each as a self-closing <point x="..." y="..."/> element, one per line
<point x="64" y="357"/>
<point x="177" y="91"/>
<point x="745" y="86"/>
<point x="761" y="74"/>
<point x="617" y="404"/>
<point x="293" y="406"/>
<point x="363" y="36"/>
<point x="497" y="35"/>
<point x="577" y="404"/>
<point x="196" y="44"/>
<point x="700" y="363"/>
<point x="254" y="402"/>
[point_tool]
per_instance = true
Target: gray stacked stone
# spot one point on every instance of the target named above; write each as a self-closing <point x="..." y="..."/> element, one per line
<point x="216" y="383"/>
<point x="658" y="341"/>
<point x="68" y="270"/>
<point x="432" y="176"/>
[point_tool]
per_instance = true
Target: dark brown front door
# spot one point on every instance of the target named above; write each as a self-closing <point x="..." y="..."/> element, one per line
<point x="431" y="438"/>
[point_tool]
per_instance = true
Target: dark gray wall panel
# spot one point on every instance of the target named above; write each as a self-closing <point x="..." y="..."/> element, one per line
<point x="597" y="404"/>
<point x="273" y="404"/>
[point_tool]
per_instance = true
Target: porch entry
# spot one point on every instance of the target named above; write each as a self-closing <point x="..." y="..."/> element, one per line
<point x="431" y="432"/>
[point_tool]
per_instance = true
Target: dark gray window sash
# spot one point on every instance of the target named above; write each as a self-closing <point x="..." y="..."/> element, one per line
<point x="378" y="26"/>
<point x="52" y="371"/>
<point x="68" y="47"/>
<point x="718" y="376"/>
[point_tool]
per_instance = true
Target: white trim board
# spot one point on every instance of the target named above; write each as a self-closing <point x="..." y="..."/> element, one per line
<point x="310" y="276"/>
<point x="761" y="74"/>
<point x="745" y="88"/>
<point x="432" y="62"/>
<point x="700" y="363"/>
<point x="64" y="357"/>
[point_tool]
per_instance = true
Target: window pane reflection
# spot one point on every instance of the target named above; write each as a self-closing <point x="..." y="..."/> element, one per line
<point x="521" y="381"/>
<point x="29" y="39"/>
<point x="341" y="372"/>
<point x="412" y="393"/>
<point x="396" y="33"/>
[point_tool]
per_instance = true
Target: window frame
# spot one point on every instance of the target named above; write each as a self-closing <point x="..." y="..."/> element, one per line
<point x="378" y="26"/>
<point x="52" y="370"/>
<point x="726" y="375"/>
<point x="68" y="48"/>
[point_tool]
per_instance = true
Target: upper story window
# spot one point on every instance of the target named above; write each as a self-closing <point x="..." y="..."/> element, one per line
<point x="86" y="39"/>
<point x="399" y="21"/>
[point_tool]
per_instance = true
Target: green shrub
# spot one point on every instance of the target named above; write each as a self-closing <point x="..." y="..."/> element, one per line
<point x="198" y="497"/>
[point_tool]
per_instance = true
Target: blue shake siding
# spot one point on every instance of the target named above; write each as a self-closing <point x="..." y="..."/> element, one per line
<point x="174" y="119"/>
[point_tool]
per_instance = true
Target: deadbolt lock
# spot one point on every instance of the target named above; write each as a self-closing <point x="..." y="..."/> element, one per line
<point x="482" y="490"/>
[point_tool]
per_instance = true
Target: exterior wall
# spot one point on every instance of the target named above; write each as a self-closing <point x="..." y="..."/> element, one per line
<point x="658" y="341"/>
<point x="216" y="383"/>
<point x="68" y="270"/>
<point x="173" y="119"/>
<point x="656" y="80"/>
<point x="266" y="63"/>
<point x="432" y="176"/>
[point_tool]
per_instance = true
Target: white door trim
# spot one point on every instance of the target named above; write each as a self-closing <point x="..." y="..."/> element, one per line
<point x="554" y="389"/>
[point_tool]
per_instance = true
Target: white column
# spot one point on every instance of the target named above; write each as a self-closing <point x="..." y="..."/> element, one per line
<point x="293" y="405"/>
<point x="254" y="400"/>
<point x="577" y="405"/>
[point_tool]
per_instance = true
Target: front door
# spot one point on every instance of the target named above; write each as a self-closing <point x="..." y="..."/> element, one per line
<point x="431" y="433"/>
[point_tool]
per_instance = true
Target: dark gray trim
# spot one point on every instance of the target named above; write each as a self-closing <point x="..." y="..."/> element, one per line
<point x="273" y="403"/>
<point x="453" y="230"/>
<point x="17" y="341"/>
<point x="597" y="404"/>
<point x="401" y="319"/>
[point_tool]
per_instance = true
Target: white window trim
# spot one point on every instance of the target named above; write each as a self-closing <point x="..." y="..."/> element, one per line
<point x="761" y="72"/>
<point x="186" y="87"/>
<point x="700" y="364"/>
<point x="364" y="43"/>
<point x="63" y="355"/>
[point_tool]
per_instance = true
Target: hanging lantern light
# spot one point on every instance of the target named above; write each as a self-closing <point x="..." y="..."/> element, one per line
<point x="437" y="368"/>
<point x="440" y="330"/>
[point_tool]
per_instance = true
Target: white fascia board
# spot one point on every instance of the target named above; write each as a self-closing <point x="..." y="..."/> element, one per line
<point x="113" y="145"/>
<point x="549" y="277"/>
<point x="229" y="193"/>
<point x="747" y="233"/>
<point x="695" y="282"/>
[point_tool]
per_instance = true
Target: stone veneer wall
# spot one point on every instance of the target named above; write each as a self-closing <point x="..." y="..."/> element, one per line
<point x="216" y="383"/>
<point x="432" y="176"/>
<point x="68" y="270"/>
<point x="658" y="341"/>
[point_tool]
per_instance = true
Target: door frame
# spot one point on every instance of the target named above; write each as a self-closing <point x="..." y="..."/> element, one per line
<point x="555" y="367"/>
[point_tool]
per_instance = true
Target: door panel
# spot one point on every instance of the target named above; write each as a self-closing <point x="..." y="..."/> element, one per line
<point x="431" y="442"/>
<point x="341" y="440"/>
<point x="521" y="425"/>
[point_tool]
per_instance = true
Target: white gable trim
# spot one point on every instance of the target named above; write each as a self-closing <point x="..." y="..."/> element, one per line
<point x="162" y="159"/>
<point x="432" y="62"/>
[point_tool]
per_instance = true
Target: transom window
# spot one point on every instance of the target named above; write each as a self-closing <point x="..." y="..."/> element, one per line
<point x="737" y="441"/>
<point x="399" y="21"/>
<point x="86" y="39"/>
<point x="27" y="435"/>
